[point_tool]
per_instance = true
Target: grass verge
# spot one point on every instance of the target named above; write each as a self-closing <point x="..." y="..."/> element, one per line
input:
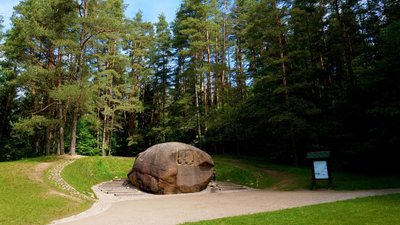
<point x="257" y="173"/>
<point x="89" y="171"/>
<point x="372" y="210"/>
<point x="26" y="197"/>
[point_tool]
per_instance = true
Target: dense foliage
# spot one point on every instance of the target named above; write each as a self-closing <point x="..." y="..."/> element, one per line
<point x="273" y="78"/>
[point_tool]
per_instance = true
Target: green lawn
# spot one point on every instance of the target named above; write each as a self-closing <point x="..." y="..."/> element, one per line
<point x="89" y="171"/>
<point x="242" y="173"/>
<point x="25" y="197"/>
<point x="380" y="210"/>
<point x="28" y="197"/>
<point x="257" y="173"/>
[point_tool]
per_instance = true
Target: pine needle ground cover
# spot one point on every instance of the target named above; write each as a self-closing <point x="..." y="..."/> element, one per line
<point x="372" y="210"/>
<point x="26" y="197"/>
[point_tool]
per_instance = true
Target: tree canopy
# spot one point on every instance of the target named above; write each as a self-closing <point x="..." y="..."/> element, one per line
<point x="270" y="78"/>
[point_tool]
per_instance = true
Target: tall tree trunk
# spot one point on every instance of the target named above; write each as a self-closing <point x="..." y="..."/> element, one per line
<point x="196" y="104"/>
<point x="205" y="102"/>
<point x="48" y="140"/>
<point x="36" y="136"/>
<point x="131" y="124"/>
<point x="61" y="129"/>
<point x="98" y="129"/>
<point x="110" y="135"/>
<point x="4" y="123"/>
<point x="217" y="77"/>
<point x="60" y="111"/>
<point x="37" y="142"/>
<point x="223" y="62"/>
<point x="164" y="91"/>
<point x="58" y="149"/>
<point x="84" y="38"/>
<point x="229" y="74"/>
<point x="104" y="139"/>
<point x="6" y="113"/>
<point x="132" y="116"/>
<point x="75" y="114"/>
<point x="348" y="47"/>
<point x="210" y="100"/>
<point x="240" y="79"/>
<point x="278" y="24"/>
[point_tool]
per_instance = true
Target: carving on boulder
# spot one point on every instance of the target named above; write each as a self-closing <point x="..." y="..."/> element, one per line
<point x="171" y="168"/>
<point x="185" y="157"/>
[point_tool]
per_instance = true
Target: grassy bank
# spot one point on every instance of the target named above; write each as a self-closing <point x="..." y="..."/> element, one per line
<point x="89" y="171"/>
<point x="372" y="210"/>
<point x="26" y="197"/>
<point x="258" y="173"/>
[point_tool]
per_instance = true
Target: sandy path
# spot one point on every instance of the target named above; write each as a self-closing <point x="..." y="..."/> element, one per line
<point x="175" y="209"/>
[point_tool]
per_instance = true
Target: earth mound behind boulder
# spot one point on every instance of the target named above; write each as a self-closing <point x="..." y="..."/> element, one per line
<point x="172" y="168"/>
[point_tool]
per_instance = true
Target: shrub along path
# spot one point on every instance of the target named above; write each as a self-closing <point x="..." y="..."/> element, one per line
<point x="175" y="209"/>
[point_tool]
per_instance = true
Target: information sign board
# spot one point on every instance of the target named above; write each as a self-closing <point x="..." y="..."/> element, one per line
<point x="321" y="170"/>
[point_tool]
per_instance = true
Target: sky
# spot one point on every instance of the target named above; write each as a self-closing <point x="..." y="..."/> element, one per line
<point x="150" y="8"/>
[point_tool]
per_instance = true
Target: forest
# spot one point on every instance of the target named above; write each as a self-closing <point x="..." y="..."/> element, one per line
<point x="265" y="78"/>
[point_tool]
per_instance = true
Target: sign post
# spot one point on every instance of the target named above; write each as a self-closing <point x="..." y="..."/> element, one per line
<point x="320" y="167"/>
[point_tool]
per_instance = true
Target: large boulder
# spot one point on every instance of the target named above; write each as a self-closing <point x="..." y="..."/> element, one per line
<point x="172" y="168"/>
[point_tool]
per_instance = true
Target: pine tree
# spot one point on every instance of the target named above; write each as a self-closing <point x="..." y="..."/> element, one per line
<point x="139" y="40"/>
<point x="190" y="24"/>
<point x="37" y="42"/>
<point x="240" y="16"/>
<point x="160" y="129"/>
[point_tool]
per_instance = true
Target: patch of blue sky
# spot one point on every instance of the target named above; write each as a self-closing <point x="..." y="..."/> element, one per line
<point x="151" y="9"/>
<point x="6" y="10"/>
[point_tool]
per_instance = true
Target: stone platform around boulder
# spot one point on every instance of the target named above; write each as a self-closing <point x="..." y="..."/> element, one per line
<point x="121" y="189"/>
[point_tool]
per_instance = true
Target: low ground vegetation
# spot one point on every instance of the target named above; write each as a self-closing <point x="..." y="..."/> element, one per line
<point x="26" y="188"/>
<point x="26" y="197"/>
<point x="89" y="171"/>
<point x="259" y="173"/>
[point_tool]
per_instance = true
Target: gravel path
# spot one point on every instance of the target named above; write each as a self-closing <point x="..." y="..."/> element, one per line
<point x="176" y="209"/>
<point x="55" y="176"/>
<point x="147" y="209"/>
